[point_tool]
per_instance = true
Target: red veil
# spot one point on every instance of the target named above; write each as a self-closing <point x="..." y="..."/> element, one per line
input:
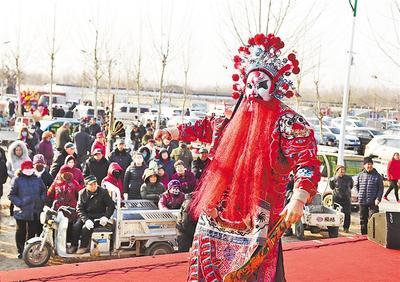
<point x="241" y="167"/>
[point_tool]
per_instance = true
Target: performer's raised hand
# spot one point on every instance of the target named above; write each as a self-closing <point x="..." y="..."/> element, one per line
<point x="293" y="211"/>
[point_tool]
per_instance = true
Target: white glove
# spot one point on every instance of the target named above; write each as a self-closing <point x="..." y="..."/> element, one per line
<point x="103" y="221"/>
<point x="377" y="202"/>
<point x="89" y="224"/>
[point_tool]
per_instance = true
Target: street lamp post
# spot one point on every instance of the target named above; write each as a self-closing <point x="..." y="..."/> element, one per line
<point x="346" y="88"/>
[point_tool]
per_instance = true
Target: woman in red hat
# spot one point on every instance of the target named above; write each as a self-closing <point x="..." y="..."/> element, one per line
<point x="28" y="194"/>
<point x="65" y="190"/>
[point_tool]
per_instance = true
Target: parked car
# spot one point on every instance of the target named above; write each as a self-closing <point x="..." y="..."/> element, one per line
<point x="350" y="123"/>
<point x="383" y="146"/>
<point x="351" y="142"/>
<point x="365" y="134"/>
<point x="54" y="124"/>
<point x="327" y="138"/>
<point x="178" y="120"/>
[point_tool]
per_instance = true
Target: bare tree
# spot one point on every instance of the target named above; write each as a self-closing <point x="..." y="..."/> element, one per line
<point x="138" y="71"/>
<point x="186" y="66"/>
<point x="52" y="58"/>
<point x="318" y="112"/>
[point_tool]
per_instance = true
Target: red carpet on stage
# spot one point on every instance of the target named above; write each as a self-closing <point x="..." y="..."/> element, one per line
<point x="343" y="259"/>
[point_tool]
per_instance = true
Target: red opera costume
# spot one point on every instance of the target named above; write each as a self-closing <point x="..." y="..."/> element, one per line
<point x="242" y="192"/>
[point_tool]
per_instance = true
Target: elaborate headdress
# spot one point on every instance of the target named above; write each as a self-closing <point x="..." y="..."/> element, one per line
<point x="263" y="53"/>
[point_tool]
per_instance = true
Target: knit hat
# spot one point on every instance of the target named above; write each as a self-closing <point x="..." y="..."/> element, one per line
<point x="174" y="183"/>
<point x="28" y="164"/>
<point x="368" y="160"/>
<point x="69" y="145"/>
<point x="97" y="151"/>
<point x="38" y="159"/>
<point x="65" y="168"/>
<point x="339" y="167"/>
<point x="90" y="179"/>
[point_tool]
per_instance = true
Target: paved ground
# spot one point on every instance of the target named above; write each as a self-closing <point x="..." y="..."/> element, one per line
<point x="8" y="251"/>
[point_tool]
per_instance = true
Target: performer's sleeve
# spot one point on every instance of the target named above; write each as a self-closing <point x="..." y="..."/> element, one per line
<point x="201" y="130"/>
<point x="306" y="171"/>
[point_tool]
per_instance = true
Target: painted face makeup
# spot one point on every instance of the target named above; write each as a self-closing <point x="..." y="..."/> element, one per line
<point x="258" y="85"/>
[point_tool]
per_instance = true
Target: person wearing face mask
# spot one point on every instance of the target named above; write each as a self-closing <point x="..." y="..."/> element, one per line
<point x="173" y="198"/>
<point x="114" y="176"/>
<point x="65" y="191"/>
<point x="253" y="150"/>
<point x="76" y="172"/>
<point x="46" y="148"/>
<point x="39" y="164"/>
<point x="96" y="165"/>
<point x="185" y="176"/>
<point x="182" y="153"/>
<point x="341" y="185"/>
<point x="28" y="194"/>
<point x="17" y="153"/>
<point x="26" y="137"/>
<point x="151" y="189"/>
<point x="133" y="178"/>
<point x="165" y="161"/>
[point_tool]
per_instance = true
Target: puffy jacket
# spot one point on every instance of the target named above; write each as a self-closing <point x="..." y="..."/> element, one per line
<point x="76" y="172"/>
<point x="66" y="193"/>
<point x="96" y="168"/>
<point x="123" y="158"/>
<point x="183" y="154"/>
<point x="341" y="187"/>
<point x="170" y="202"/>
<point x="133" y="180"/>
<point x="111" y="179"/>
<point x="369" y="186"/>
<point x="188" y="181"/>
<point x="151" y="191"/>
<point x="28" y="194"/>
<point x="46" y="177"/>
<point x="94" y="205"/>
<point x="393" y="170"/>
<point x="168" y="165"/>
<point x="14" y="162"/>
<point x="83" y="142"/>
<point x="62" y="138"/>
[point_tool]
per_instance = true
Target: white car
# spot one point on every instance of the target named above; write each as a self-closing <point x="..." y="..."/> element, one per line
<point x="383" y="146"/>
<point x="350" y="123"/>
<point x="178" y="120"/>
<point x="351" y="142"/>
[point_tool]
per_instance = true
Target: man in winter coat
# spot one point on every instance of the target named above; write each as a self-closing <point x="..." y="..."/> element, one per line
<point x="39" y="163"/>
<point x="94" y="127"/>
<point x="200" y="163"/>
<point x="94" y="202"/>
<point x="120" y="155"/>
<point x="96" y="165"/>
<point x="341" y="185"/>
<point x="133" y="178"/>
<point x="369" y="184"/>
<point x="114" y="176"/>
<point x="83" y="142"/>
<point x="63" y="136"/>
<point x="393" y="175"/>
<point x="147" y="136"/>
<point x="166" y="162"/>
<point x="136" y="137"/>
<point x="28" y="195"/>
<point x="46" y="148"/>
<point x="173" y="198"/>
<point x="99" y="143"/>
<point x="69" y="150"/>
<point x="185" y="176"/>
<point x="151" y="189"/>
<point x="182" y="153"/>
<point x="186" y="226"/>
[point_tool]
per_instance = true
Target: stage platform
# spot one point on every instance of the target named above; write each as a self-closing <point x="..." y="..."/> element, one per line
<point x="342" y="259"/>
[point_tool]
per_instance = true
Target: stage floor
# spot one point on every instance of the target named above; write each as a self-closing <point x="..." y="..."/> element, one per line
<point x="342" y="259"/>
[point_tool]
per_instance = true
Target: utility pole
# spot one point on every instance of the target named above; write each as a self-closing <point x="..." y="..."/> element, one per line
<point x="346" y="88"/>
<point x="52" y="57"/>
